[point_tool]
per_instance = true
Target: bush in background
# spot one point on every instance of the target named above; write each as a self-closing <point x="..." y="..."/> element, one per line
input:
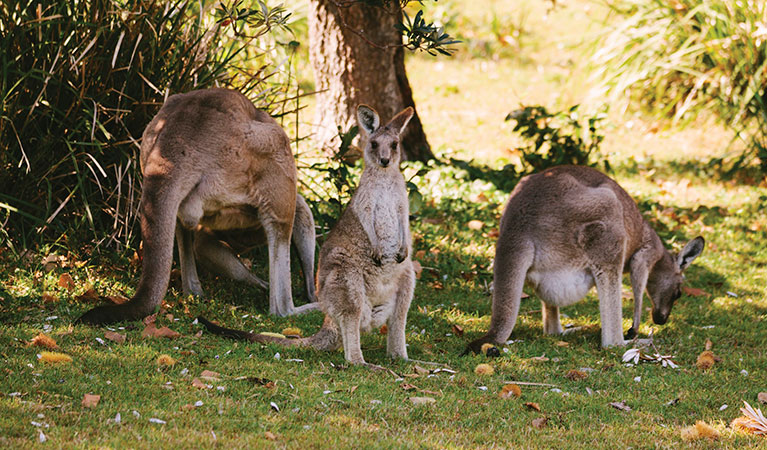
<point x="679" y="57"/>
<point x="79" y="81"/>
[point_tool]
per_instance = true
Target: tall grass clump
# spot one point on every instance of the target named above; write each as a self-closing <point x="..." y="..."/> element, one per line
<point x="79" y="81"/>
<point x="679" y="57"/>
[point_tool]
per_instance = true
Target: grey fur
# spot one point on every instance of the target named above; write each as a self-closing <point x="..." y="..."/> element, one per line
<point x="567" y="229"/>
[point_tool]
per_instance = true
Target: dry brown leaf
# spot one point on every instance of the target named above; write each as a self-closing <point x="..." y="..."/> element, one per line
<point x="165" y="361"/>
<point x="493" y="233"/>
<point x="353" y="388"/>
<point x="114" y="336"/>
<point x="116" y="299"/>
<point x="199" y="384"/>
<point x="622" y="406"/>
<point x="90" y="400"/>
<point x="49" y="298"/>
<point x="292" y="332"/>
<point x="699" y="431"/>
<point x="540" y="422"/>
<point x="209" y="375"/>
<point x="438" y="286"/>
<point x="458" y="330"/>
<point x="539" y="358"/>
<point x="269" y="435"/>
<point x="509" y="391"/>
<point x="762" y="397"/>
<point x="420" y="370"/>
<point x="709" y="345"/>
<point x="66" y="281"/>
<point x="42" y="340"/>
<point x="407" y="386"/>
<point x="705" y="360"/>
<point x="752" y="421"/>
<point x="417" y="268"/>
<point x="533" y="405"/>
<point x="188" y="407"/>
<point x="420" y="254"/>
<point x="576" y="375"/>
<point x="384" y="329"/>
<point x="524" y="295"/>
<point x="562" y="344"/>
<point x="151" y="330"/>
<point x="53" y="357"/>
<point x="694" y="292"/>
<point x="88" y="296"/>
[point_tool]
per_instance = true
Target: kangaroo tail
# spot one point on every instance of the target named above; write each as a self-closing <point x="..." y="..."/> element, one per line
<point x="327" y="338"/>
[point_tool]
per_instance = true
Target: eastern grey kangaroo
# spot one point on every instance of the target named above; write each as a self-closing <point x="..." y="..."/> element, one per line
<point x="210" y="158"/>
<point x="365" y="274"/>
<point x="567" y="229"/>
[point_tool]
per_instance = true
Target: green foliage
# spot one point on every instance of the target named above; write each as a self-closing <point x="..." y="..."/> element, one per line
<point x="680" y="57"/>
<point x="427" y="37"/>
<point x="79" y="81"/>
<point x="563" y="137"/>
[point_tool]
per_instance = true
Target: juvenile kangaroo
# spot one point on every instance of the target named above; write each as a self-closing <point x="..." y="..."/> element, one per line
<point x="567" y="229"/>
<point x="365" y="275"/>
<point x="210" y="158"/>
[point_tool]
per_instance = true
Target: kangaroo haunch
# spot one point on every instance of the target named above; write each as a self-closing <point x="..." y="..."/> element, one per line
<point x="567" y="229"/>
<point x="213" y="163"/>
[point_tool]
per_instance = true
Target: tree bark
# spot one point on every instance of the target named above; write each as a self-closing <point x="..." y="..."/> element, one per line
<point x="350" y="70"/>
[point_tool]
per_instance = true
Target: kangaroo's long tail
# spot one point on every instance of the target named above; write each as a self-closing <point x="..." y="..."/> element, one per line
<point x="327" y="338"/>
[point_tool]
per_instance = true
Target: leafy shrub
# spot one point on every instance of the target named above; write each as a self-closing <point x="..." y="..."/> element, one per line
<point x="558" y="138"/>
<point x="79" y="82"/>
<point x="680" y="57"/>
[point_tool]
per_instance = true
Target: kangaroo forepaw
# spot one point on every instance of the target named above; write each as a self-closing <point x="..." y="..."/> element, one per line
<point x="401" y="255"/>
<point x="377" y="258"/>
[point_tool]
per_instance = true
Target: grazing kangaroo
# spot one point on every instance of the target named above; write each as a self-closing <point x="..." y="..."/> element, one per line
<point x="365" y="274"/>
<point x="210" y="158"/>
<point x="567" y="229"/>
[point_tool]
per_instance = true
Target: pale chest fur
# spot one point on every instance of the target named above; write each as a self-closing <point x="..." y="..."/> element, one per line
<point x="382" y="202"/>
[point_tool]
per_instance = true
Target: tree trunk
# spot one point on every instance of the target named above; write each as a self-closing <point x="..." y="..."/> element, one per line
<point x="350" y="70"/>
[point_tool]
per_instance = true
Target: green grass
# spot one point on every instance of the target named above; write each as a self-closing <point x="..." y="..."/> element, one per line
<point x="370" y="409"/>
<point x="658" y="165"/>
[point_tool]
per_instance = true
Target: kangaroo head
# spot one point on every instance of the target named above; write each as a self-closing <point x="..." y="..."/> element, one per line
<point x="383" y="146"/>
<point x="664" y="285"/>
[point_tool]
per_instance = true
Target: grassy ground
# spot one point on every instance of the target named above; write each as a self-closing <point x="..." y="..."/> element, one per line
<point x="324" y="403"/>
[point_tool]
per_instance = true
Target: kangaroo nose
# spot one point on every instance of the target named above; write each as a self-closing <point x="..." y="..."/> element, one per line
<point x="659" y="318"/>
<point x="384" y="162"/>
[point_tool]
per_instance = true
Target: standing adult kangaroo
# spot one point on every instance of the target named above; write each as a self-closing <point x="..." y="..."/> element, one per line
<point x="567" y="229"/>
<point x="365" y="276"/>
<point x="210" y="158"/>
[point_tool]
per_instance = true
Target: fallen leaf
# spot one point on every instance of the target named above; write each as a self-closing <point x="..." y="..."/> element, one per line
<point x="116" y="299"/>
<point x="353" y="388"/>
<point x="752" y="421"/>
<point x="114" y="336"/>
<point x="422" y="400"/>
<point x="292" y="332"/>
<point x="622" y="406"/>
<point x="475" y="225"/>
<point x="484" y="369"/>
<point x="90" y="296"/>
<point x="562" y="344"/>
<point x="151" y="330"/>
<point x="493" y="233"/>
<point x="458" y="330"/>
<point x="540" y="422"/>
<point x="384" y="329"/>
<point x="269" y="435"/>
<point x="42" y="340"/>
<point x="542" y="358"/>
<point x="211" y="376"/>
<point x="509" y="391"/>
<point x="420" y="254"/>
<point x="66" y="281"/>
<point x="762" y="397"/>
<point x="533" y="405"/>
<point x="199" y="384"/>
<point x="699" y="431"/>
<point x="407" y="386"/>
<point x="53" y="357"/>
<point x="709" y="345"/>
<point x="694" y="292"/>
<point x="49" y="298"/>
<point x="437" y="285"/>
<point x="576" y="375"/>
<point x="90" y="400"/>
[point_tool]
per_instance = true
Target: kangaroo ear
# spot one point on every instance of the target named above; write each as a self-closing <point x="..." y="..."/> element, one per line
<point x="692" y="250"/>
<point x="400" y="121"/>
<point x="368" y="118"/>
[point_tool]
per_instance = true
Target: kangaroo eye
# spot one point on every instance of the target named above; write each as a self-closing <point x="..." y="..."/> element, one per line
<point x="374" y="144"/>
<point x="394" y="145"/>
